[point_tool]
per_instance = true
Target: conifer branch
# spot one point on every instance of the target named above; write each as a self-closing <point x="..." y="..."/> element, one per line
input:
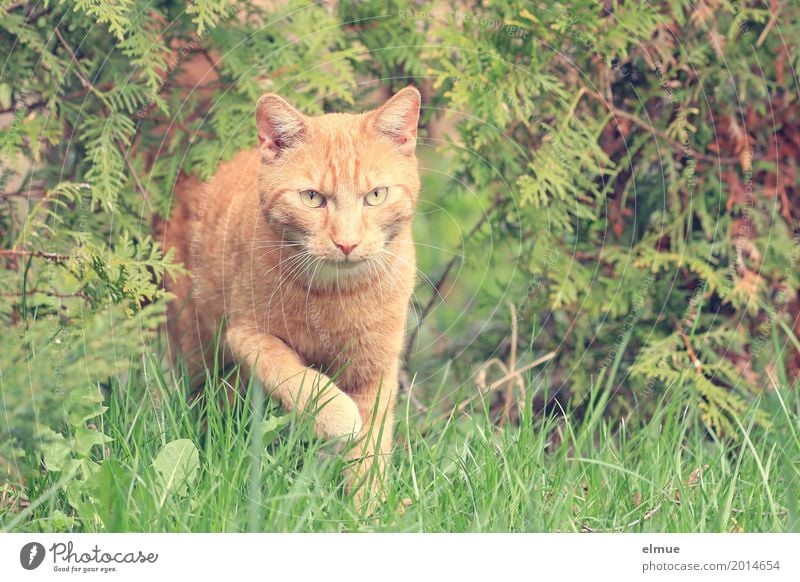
<point x="123" y="148"/>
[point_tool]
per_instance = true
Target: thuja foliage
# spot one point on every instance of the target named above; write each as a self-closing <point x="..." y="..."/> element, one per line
<point x="99" y="124"/>
<point x="635" y="162"/>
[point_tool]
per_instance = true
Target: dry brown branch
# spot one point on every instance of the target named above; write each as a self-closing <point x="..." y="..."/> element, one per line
<point x="26" y="253"/>
<point x="662" y="134"/>
<point x="512" y="376"/>
<point x="49" y="293"/>
<point x="698" y="366"/>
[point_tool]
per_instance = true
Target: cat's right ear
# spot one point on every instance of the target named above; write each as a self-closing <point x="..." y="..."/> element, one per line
<point x="280" y="126"/>
<point x="397" y="119"/>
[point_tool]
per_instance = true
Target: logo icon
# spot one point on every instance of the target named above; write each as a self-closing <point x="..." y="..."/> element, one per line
<point x="31" y="555"/>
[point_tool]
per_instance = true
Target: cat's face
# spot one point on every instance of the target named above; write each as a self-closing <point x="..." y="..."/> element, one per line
<point x="339" y="187"/>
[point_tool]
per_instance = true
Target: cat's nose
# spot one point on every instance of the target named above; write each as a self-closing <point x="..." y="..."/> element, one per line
<point x="345" y="247"/>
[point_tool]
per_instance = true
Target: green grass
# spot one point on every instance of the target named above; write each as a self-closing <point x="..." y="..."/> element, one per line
<point x="450" y="473"/>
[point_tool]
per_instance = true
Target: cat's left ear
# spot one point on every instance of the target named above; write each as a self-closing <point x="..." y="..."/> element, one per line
<point x="397" y="119"/>
<point x="280" y="126"/>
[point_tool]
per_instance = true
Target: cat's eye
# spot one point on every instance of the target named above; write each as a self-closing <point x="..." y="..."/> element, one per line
<point x="376" y="196"/>
<point x="312" y="198"/>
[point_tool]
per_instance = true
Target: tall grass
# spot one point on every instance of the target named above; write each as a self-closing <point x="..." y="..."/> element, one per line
<point x="261" y="470"/>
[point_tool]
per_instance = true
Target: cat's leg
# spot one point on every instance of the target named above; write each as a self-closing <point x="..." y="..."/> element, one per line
<point x="298" y="387"/>
<point x="369" y="457"/>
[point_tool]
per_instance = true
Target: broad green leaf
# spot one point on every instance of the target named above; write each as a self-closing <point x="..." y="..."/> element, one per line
<point x="272" y="426"/>
<point x="56" y="450"/>
<point x="177" y="465"/>
<point x="86" y="438"/>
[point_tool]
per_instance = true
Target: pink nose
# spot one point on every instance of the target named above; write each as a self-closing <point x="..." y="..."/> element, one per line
<point x="346" y="248"/>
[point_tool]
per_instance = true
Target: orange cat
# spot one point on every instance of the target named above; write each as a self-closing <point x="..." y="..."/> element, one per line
<point x="302" y="250"/>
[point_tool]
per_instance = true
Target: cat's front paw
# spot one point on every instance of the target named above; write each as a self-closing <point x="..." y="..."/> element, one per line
<point x="338" y="418"/>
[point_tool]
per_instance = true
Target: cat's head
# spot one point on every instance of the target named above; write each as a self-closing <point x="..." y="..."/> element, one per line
<point x="339" y="187"/>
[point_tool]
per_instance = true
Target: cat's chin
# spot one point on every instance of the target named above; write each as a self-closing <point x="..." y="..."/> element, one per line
<point x="338" y="273"/>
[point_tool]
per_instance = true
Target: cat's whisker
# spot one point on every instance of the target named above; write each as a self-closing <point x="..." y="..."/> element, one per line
<point x="259" y="247"/>
<point x="279" y="287"/>
<point x="390" y="268"/>
<point x="273" y="243"/>
<point x="339" y="291"/>
<point x="264" y="255"/>
<point x="413" y="304"/>
<point x="263" y="244"/>
<point x="384" y="264"/>
<point x="290" y="277"/>
<point x="293" y="270"/>
<point x="380" y="284"/>
<point x="444" y="250"/>
<point x="317" y="266"/>
<point x="301" y="267"/>
<point x="424" y="276"/>
<point x="285" y="263"/>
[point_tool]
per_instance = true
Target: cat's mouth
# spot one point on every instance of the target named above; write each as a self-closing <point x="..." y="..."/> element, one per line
<point x="348" y="263"/>
<point x="340" y="270"/>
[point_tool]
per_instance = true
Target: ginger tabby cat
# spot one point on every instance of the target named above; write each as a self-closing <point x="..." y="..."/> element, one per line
<point x="301" y="249"/>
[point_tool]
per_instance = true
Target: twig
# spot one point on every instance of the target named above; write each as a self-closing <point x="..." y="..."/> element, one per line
<point x="510" y="375"/>
<point x="87" y="84"/>
<point x="40" y="254"/>
<point x="208" y="58"/>
<point x="545" y="358"/>
<point x="139" y="186"/>
<point x="42" y="102"/>
<point x="662" y="134"/>
<point x="512" y="364"/>
<point x="698" y="366"/>
<point x="692" y="482"/>
<point x="645" y="517"/>
<point x="773" y="18"/>
<point x="14" y="5"/>
<point x="21" y="106"/>
<point x="35" y="194"/>
<point x="49" y="293"/>
<point x="193" y="132"/>
<point x="414" y="400"/>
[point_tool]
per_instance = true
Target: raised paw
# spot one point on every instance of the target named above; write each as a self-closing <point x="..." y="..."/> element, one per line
<point x="337" y="418"/>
